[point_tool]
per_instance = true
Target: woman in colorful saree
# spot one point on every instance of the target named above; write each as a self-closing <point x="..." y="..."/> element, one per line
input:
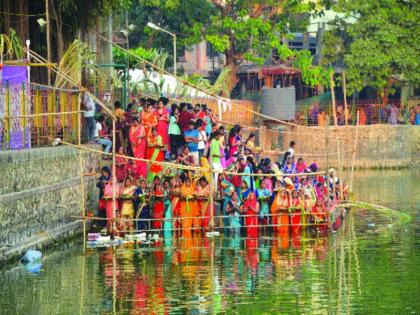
<point x="263" y="196"/>
<point x="300" y="165"/>
<point x="280" y="210"/>
<point x="235" y="139"/>
<point x="188" y="205"/>
<point x="203" y="204"/>
<point x="149" y="119"/>
<point x="158" y="205"/>
<point x="109" y="204"/>
<point x="296" y="209"/>
<point x="143" y="209"/>
<point x="233" y="209"/>
<point x="251" y="209"/>
<point x="167" y="224"/>
<point x="162" y="126"/>
<point x="320" y="216"/>
<point x="227" y="190"/>
<point x="176" y="204"/>
<point x="127" y="208"/>
<point x="137" y="135"/>
<point x="121" y="163"/>
<point x="154" y="154"/>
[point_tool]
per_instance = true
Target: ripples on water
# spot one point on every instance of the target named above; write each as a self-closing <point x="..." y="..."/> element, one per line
<point x="363" y="269"/>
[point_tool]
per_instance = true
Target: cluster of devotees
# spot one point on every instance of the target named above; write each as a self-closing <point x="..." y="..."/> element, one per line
<point x="161" y="179"/>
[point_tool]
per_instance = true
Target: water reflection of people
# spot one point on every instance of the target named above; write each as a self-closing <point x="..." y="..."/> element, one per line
<point x="192" y="266"/>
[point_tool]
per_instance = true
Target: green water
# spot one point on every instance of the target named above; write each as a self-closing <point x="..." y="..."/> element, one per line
<point x="370" y="267"/>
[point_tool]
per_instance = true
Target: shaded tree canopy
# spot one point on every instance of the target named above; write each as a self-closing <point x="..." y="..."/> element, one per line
<point x="379" y="42"/>
<point x="243" y="30"/>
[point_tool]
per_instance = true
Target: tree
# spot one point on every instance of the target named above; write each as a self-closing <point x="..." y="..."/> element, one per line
<point x="381" y="45"/>
<point x="243" y="30"/>
<point x="176" y="16"/>
<point x="71" y="16"/>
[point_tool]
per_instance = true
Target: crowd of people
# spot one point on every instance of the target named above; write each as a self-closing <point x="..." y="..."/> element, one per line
<point x="369" y="114"/>
<point x="163" y="182"/>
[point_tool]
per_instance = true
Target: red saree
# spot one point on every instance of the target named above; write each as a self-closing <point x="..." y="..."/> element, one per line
<point x="163" y="125"/>
<point x="158" y="209"/>
<point x="251" y="218"/>
<point x="137" y="136"/>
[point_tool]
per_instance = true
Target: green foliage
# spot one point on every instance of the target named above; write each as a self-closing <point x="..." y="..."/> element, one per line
<point x="11" y="45"/>
<point x="383" y="43"/>
<point x="311" y="75"/>
<point x="121" y="57"/>
<point x="241" y="29"/>
<point x="77" y="57"/>
<point x="83" y="14"/>
<point x="180" y="17"/>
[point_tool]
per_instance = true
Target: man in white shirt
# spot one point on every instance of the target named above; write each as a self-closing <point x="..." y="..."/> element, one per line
<point x="89" y="116"/>
<point x="97" y="136"/>
<point x="291" y="149"/>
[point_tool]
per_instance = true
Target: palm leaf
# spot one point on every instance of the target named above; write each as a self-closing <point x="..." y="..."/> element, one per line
<point x="16" y="43"/>
<point x="77" y="57"/>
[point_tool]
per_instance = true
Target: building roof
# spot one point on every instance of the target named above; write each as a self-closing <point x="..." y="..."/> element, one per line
<point x="268" y="70"/>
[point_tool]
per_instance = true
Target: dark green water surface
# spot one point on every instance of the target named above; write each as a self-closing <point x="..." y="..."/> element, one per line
<point x="371" y="266"/>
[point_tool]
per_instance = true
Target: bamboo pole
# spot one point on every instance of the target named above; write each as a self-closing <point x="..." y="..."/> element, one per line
<point x="340" y="166"/>
<point x="114" y="178"/>
<point x="211" y="197"/>
<point x="48" y="114"/>
<point x="82" y="189"/>
<point x="82" y="285"/>
<point x="345" y="98"/>
<point x="326" y="166"/>
<point x="179" y="166"/>
<point x="354" y="152"/>
<point x="333" y="97"/>
<point x="82" y="198"/>
<point x="48" y="27"/>
<point x="114" y="282"/>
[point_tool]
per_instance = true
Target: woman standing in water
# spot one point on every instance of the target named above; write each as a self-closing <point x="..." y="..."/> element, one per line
<point x="158" y="205"/>
<point x="251" y="209"/>
<point x="203" y="204"/>
<point x="127" y="208"/>
<point x="167" y="191"/>
<point x="233" y="209"/>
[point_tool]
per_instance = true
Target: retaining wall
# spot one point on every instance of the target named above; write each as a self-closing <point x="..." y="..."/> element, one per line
<point x="379" y="146"/>
<point x="40" y="195"/>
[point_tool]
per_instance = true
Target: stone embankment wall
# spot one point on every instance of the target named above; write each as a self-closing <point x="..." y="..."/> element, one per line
<point x="379" y="146"/>
<point x="40" y="195"/>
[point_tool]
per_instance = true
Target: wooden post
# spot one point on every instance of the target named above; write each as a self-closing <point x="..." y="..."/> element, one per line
<point x="82" y="201"/>
<point x="211" y="196"/>
<point x="327" y="163"/>
<point x="346" y="116"/>
<point x="340" y="165"/>
<point x="82" y="189"/>
<point x="82" y="285"/>
<point x="114" y="178"/>
<point x="47" y="16"/>
<point x="354" y="152"/>
<point x="333" y="97"/>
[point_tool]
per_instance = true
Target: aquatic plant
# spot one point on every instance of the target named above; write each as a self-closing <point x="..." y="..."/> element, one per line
<point x="396" y="216"/>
